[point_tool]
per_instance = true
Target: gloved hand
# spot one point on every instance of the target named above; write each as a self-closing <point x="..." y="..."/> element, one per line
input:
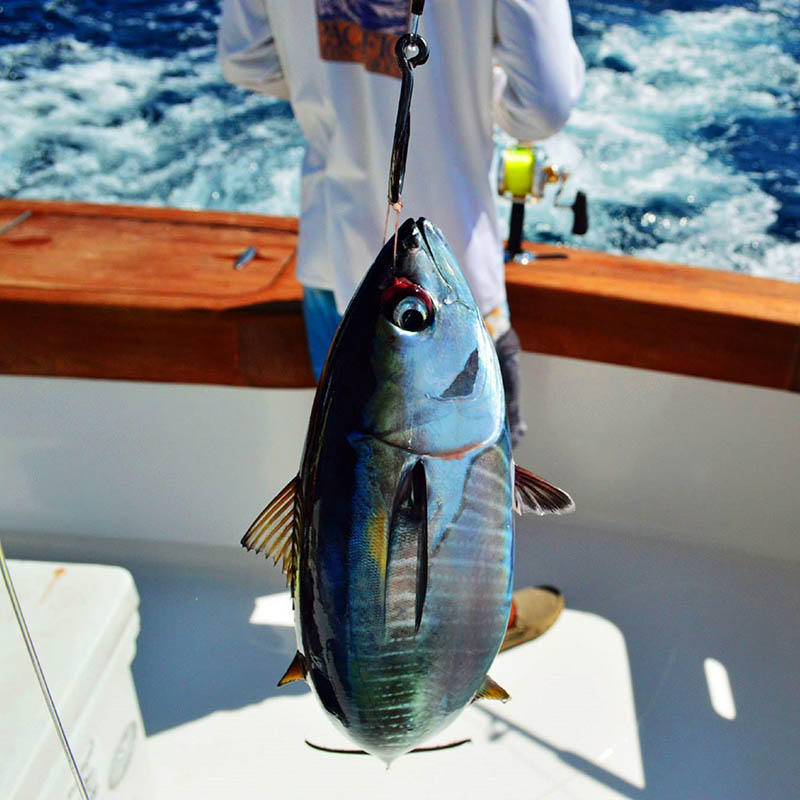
<point x="508" y="349"/>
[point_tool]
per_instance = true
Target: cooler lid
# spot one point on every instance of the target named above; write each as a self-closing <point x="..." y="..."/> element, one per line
<point x="76" y="614"/>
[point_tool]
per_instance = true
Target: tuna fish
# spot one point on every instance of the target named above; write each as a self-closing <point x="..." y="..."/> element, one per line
<point x="396" y="535"/>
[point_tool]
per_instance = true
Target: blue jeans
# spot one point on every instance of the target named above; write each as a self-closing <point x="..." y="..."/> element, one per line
<point x="322" y="319"/>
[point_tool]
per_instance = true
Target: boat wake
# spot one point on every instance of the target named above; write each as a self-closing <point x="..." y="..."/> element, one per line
<point x="687" y="138"/>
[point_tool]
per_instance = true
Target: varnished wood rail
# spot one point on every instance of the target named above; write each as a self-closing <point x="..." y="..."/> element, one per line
<point x="151" y="294"/>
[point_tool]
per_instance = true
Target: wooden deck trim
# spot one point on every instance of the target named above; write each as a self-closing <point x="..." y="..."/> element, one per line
<point x="235" y="219"/>
<point x="593" y="306"/>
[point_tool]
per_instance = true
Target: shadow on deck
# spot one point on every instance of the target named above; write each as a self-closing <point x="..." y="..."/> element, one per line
<point x="675" y="605"/>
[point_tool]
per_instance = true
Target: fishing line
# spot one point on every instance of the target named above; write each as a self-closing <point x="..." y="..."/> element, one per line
<point x="417" y="7"/>
<point x="37" y="668"/>
<point x="430" y="749"/>
<point x="411" y="51"/>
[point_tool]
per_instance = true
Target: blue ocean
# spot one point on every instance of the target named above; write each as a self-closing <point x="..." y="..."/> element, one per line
<point x="686" y="139"/>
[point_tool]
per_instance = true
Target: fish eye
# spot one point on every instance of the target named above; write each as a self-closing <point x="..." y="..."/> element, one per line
<point x="410" y="314"/>
<point x="407" y="306"/>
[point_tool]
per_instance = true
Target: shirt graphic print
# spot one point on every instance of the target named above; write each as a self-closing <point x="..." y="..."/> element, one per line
<point x="362" y="31"/>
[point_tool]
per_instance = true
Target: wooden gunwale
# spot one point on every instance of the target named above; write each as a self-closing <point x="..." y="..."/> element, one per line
<point x="141" y="293"/>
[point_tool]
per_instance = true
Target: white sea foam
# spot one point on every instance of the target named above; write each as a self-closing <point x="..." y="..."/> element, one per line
<point x="100" y="128"/>
<point x="648" y="175"/>
<point x="107" y="126"/>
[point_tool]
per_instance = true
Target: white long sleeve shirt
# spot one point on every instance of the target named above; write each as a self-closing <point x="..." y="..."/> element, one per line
<point x="346" y="111"/>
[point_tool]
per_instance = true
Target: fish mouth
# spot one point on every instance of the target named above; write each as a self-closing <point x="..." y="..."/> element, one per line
<point x="420" y="239"/>
<point x="420" y="225"/>
<point x="427" y="230"/>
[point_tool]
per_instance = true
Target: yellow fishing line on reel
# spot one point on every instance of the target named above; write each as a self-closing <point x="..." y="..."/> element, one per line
<point x="523" y="173"/>
<point x="517" y="169"/>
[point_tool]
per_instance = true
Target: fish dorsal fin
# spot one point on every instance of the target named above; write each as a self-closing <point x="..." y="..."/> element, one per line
<point x="297" y="671"/>
<point x="536" y="495"/>
<point x="277" y="528"/>
<point x="491" y="691"/>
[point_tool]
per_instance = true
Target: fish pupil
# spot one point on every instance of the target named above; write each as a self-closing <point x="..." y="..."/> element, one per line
<point x="407" y="306"/>
<point x="412" y="320"/>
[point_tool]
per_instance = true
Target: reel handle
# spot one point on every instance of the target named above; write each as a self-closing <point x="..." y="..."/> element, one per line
<point x="515" y="225"/>
<point x="580" y="210"/>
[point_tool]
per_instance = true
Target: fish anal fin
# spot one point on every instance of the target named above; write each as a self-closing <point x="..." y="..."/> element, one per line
<point x="490" y="690"/>
<point x="297" y="671"/>
<point x="276" y="529"/>
<point x="533" y="494"/>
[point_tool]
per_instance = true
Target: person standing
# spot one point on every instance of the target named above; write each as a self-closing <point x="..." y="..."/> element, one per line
<point x="510" y="62"/>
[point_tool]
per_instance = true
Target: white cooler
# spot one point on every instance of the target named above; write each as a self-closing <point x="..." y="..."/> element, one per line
<point x="83" y="620"/>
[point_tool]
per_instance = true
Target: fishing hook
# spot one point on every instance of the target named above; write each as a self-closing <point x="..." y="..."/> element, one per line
<point x="411" y="51"/>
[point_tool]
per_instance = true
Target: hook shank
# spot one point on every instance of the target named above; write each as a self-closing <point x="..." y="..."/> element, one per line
<point x="411" y="51"/>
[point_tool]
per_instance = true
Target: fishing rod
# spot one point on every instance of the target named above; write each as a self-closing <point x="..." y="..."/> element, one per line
<point x="37" y="668"/>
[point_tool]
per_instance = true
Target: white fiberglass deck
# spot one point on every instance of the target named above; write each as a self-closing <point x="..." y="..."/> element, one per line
<point x="613" y="701"/>
<point x="674" y="673"/>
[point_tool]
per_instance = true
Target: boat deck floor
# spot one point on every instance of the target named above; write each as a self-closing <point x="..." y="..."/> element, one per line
<point x="614" y="701"/>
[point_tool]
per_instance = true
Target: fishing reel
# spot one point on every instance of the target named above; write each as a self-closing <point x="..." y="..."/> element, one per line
<point x="523" y="174"/>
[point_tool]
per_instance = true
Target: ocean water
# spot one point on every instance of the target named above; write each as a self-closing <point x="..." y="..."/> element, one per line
<point x="686" y="139"/>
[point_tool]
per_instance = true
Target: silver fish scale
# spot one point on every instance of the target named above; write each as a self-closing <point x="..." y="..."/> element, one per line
<point x="469" y="585"/>
<point x="400" y="621"/>
<point x="470" y="575"/>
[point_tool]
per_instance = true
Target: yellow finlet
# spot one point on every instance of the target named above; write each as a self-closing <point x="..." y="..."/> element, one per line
<point x="297" y="670"/>
<point x="491" y="691"/>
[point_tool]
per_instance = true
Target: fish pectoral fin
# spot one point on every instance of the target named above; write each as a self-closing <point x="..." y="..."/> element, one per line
<point x="420" y="501"/>
<point x="408" y="542"/>
<point x="491" y="691"/>
<point x="297" y="671"/>
<point x="276" y="530"/>
<point x="536" y="495"/>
